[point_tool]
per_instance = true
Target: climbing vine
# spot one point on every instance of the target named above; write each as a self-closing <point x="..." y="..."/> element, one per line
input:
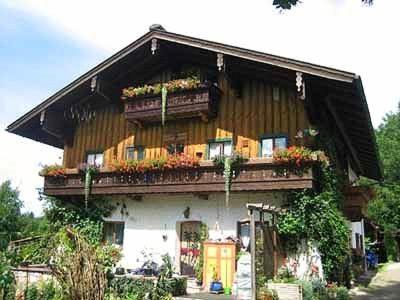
<point x="316" y="217"/>
<point x="230" y="164"/>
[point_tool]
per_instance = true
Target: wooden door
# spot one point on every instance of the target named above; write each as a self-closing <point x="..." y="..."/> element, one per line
<point x="219" y="258"/>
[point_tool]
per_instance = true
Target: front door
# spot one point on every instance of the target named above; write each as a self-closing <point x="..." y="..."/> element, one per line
<point x="190" y="246"/>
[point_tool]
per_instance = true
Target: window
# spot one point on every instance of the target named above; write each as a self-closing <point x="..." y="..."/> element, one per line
<point x="114" y="232"/>
<point x="175" y="149"/>
<point x="94" y="158"/>
<point x="219" y="149"/>
<point x="135" y="153"/>
<point x="269" y="144"/>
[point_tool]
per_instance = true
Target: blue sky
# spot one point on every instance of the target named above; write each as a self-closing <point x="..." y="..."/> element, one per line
<point x="36" y="61"/>
<point x="45" y="44"/>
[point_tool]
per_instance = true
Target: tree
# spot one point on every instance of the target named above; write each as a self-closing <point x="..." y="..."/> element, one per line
<point x="385" y="208"/>
<point x="288" y="4"/>
<point x="10" y="211"/>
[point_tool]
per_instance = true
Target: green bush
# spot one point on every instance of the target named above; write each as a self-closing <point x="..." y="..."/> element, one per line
<point x="138" y="288"/>
<point x="123" y="286"/>
<point x="342" y="293"/>
<point x="390" y="246"/>
<point x="45" y="290"/>
<point x="7" y="281"/>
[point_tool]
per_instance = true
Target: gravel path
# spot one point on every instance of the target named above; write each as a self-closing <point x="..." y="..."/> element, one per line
<point x="385" y="285"/>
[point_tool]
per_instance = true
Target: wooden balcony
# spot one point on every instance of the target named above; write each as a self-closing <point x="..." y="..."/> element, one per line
<point x="201" y="102"/>
<point x="255" y="175"/>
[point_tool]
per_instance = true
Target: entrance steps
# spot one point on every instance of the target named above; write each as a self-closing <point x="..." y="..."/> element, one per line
<point x="192" y="287"/>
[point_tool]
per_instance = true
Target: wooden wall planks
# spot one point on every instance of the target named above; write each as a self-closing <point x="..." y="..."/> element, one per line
<point x="244" y="119"/>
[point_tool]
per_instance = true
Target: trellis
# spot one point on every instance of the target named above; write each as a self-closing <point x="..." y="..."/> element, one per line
<point x="262" y="210"/>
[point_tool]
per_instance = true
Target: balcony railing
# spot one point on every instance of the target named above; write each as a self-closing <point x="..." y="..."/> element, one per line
<point x="255" y="175"/>
<point x="201" y="102"/>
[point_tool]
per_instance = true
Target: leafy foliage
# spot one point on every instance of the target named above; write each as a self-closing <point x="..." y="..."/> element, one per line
<point x="385" y="208"/>
<point x="89" y="222"/>
<point x="140" y="288"/>
<point x="170" y="87"/>
<point x="10" y="211"/>
<point x="316" y="217"/>
<point x="81" y="267"/>
<point x="6" y="277"/>
<point x="47" y="290"/>
<point x="388" y="139"/>
<point x="288" y="4"/>
<point x="200" y="263"/>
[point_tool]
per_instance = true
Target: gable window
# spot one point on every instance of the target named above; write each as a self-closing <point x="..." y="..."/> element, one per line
<point x="135" y="153"/>
<point x="219" y="148"/>
<point x="94" y="158"/>
<point x="269" y="144"/>
<point x="175" y="149"/>
<point x="114" y="232"/>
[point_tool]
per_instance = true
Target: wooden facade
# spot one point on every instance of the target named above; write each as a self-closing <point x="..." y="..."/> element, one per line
<point x="262" y="109"/>
<point x="259" y="96"/>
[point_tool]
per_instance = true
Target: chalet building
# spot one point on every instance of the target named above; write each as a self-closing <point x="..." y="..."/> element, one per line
<point x="129" y="109"/>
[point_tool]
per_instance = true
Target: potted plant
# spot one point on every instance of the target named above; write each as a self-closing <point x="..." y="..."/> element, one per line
<point x="198" y="270"/>
<point x="216" y="285"/>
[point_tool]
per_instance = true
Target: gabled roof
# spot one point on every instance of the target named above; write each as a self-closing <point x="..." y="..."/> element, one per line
<point x="81" y="85"/>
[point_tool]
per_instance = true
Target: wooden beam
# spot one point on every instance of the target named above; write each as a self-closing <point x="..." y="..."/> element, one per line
<point x="343" y="133"/>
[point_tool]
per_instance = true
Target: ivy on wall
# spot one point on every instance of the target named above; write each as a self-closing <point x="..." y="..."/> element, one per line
<point x="316" y="217"/>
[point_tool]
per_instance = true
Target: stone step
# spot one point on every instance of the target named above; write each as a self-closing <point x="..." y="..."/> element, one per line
<point x="192" y="287"/>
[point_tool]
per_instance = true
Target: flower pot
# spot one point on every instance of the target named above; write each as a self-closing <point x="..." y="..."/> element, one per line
<point x="227" y="291"/>
<point x="216" y="287"/>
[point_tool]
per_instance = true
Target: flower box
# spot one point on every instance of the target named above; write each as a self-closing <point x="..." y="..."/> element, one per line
<point x="200" y="102"/>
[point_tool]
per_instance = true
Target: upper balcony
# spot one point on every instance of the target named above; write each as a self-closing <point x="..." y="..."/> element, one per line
<point x="254" y="175"/>
<point x="199" y="102"/>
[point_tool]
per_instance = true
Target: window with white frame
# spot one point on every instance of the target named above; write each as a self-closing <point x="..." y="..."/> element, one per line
<point x="95" y="158"/>
<point x="269" y="144"/>
<point x="219" y="148"/>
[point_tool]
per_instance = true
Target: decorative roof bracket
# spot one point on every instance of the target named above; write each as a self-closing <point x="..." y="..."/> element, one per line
<point x="154" y="46"/>
<point x="301" y="85"/>
<point x="220" y="62"/>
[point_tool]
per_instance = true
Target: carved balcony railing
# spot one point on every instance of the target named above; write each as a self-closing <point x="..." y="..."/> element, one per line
<point x="201" y="102"/>
<point x="251" y="176"/>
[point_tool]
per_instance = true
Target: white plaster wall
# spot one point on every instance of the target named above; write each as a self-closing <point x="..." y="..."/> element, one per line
<point x="157" y="215"/>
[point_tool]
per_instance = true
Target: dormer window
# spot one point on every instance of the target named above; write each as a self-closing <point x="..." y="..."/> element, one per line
<point x="269" y="144"/>
<point x="94" y="158"/>
<point x="135" y="153"/>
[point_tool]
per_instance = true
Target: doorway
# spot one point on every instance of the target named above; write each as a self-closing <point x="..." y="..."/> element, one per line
<point x="189" y="247"/>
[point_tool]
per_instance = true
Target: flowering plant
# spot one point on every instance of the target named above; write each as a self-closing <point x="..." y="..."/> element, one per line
<point x="55" y="170"/>
<point x="156" y="89"/>
<point x="172" y="162"/>
<point x="299" y="156"/>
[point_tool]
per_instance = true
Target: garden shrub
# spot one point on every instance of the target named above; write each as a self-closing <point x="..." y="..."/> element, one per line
<point x="342" y="293"/>
<point x="135" y="287"/>
<point x="7" y="280"/>
<point x="390" y="246"/>
<point x="45" y="290"/>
